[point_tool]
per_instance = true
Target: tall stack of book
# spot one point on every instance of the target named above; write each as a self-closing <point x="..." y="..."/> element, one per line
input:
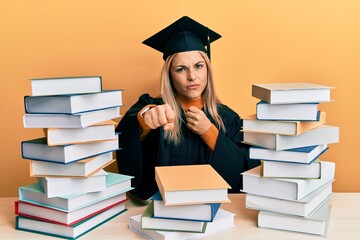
<point x="187" y="205"/>
<point x="292" y="187"/>
<point x="73" y="194"/>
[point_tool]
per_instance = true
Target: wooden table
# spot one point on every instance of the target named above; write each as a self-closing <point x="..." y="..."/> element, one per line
<point x="344" y="222"/>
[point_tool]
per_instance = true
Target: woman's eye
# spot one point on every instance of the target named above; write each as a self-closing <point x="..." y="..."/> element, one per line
<point x="198" y="65"/>
<point x="179" y="69"/>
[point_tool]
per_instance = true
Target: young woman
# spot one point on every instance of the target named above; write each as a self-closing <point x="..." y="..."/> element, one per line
<point x="187" y="124"/>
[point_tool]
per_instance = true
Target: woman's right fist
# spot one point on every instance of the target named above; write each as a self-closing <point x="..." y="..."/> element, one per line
<point x="161" y="115"/>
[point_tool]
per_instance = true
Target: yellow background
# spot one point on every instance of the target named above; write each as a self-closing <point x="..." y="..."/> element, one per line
<point x="263" y="42"/>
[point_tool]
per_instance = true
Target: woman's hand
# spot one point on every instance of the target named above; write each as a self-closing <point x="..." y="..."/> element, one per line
<point x="161" y="115"/>
<point x="197" y="121"/>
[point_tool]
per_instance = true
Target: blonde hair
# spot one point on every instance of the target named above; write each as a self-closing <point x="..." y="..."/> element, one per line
<point x="209" y="98"/>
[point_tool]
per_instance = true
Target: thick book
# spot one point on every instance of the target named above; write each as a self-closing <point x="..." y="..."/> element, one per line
<point x="302" y="207"/>
<point x="204" y="186"/>
<point x="75" y="103"/>
<point x="275" y="169"/>
<point x="251" y="124"/>
<point x="46" y="214"/>
<point x="78" y="120"/>
<point x="291" y="112"/>
<point x="65" y="85"/>
<point x="37" y="149"/>
<point x="284" y="188"/>
<point x="94" y="133"/>
<point x="116" y="184"/>
<point x="71" y="232"/>
<point x="224" y="220"/>
<point x="296" y="92"/>
<point x="58" y="187"/>
<point x="316" y="224"/>
<point x="303" y="155"/>
<point x="195" y="212"/>
<point x="167" y="224"/>
<point x="323" y="134"/>
<point x="82" y="168"/>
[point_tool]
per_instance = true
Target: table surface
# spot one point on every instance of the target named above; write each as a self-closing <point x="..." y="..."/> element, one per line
<point x="344" y="222"/>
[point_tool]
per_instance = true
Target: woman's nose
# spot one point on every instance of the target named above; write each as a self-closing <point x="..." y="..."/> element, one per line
<point x="191" y="75"/>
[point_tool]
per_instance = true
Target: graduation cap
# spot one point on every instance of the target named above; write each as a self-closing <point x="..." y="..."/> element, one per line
<point x="181" y="36"/>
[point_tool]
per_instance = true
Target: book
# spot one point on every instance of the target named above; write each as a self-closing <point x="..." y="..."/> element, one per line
<point x="98" y="132"/>
<point x="223" y="220"/>
<point x="316" y="224"/>
<point x="65" y="85"/>
<point x="297" y="92"/>
<point x="303" y="155"/>
<point x="57" y="187"/>
<point x="82" y="168"/>
<point x="291" y="170"/>
<point x="303" y="207"/>
<point x="290" y="112"/>
<point x="116" y="184"/>
<point x="323" y="134"/>
<point x="46" y="214"/>
<point x="178" y="189"/>
<point x="37" y="149"/>
<point x="79" y="120"/>
<point x="70" y="232"/>
<point x="197" y="212"/>
<point x="251" y="124"/>
<point x="74" y="103"/>
<point x="284" y="188"/>
<point x="163" y="224"/>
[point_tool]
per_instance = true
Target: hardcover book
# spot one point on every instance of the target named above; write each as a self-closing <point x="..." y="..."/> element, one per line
<point x="275" y="169"/>
<point x="178" y="189"/>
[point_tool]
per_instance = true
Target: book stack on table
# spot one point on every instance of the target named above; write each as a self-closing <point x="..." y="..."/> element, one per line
<point x="187" y="206"/>
<point x="73" y="193"/>
<point x="292" y="187"/>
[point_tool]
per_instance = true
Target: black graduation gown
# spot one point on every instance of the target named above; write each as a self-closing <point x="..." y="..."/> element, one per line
<point x="138" y="158"/>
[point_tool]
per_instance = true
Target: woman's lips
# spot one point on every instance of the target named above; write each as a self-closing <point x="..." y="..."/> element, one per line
<point x="193" y="86"/>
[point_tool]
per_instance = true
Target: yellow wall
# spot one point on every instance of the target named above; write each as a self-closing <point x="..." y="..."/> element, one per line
<point x="263" y="41"/>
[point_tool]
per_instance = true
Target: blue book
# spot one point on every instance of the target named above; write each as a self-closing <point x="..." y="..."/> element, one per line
<point x="197" y="212"/>
<point x="116" y="184"/>
<point x="68" y="232"/>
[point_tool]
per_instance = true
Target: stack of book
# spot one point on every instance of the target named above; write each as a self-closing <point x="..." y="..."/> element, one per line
<point x="187" y="205"/>
<point x="73" y="194"/>
<point x="292" y="187"/>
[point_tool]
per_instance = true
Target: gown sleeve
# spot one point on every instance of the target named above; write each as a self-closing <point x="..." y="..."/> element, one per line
<point x="231" y="156"/>
<point x="130" y="159"/>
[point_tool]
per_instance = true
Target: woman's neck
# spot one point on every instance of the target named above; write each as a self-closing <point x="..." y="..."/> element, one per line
<point x="187" y="103"/>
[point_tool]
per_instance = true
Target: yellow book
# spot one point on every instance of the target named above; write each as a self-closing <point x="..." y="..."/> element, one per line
<point x="191" y="184"/>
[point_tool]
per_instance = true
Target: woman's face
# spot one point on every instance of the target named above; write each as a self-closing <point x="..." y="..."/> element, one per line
<point x="188" y="73"/>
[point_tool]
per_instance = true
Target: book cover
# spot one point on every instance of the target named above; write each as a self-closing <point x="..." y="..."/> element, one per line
<point x="274" y="169"/>
<point x="75" y="103"/>
<point x="177" y="189"/>
<point x="284" y="188"/>
<point x="65" y="85"/>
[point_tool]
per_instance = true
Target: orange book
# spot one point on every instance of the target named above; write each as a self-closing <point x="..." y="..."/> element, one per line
<point x="191" y="184"/>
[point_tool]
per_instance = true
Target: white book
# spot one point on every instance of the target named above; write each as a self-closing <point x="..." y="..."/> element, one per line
<point x="223" y="220"/>
<point x="285" y="188"/>
<point x="303" y="155"/>
<point x="302" y="207"/>
<point x="275" y="169"/>
<point x="57" y="187"/>
<point x="37" y="149"/>
<point x="98" y="132"/>
<point x="292" y="112"/>
<point x="65" y="85"/>
<point x="79" y="120"/>
<point x="251" y="124"/>
<point x="75" y="103"/>
<point x="82" y="168"/>
<point x="316" y="224"/>
<point x="166" y="224"/>
<point x="63" y="231"/>
<point x="296" y="92"/>
<point x="116" y="184"/>
<point x="67" y="218"/>
<point x="323" y="134"/>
